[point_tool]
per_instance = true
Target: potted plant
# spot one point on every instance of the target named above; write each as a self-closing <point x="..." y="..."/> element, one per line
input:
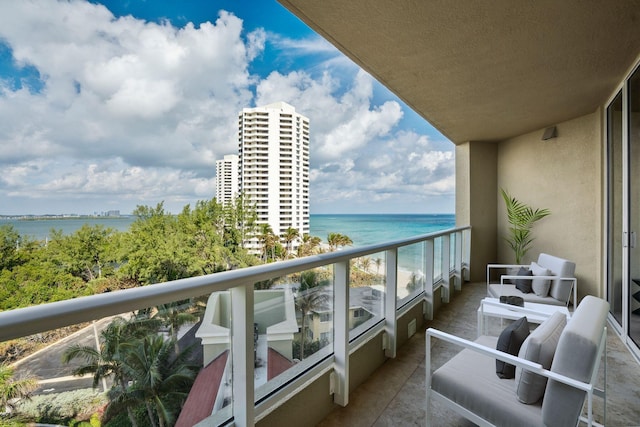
<point x="521" y="218"/>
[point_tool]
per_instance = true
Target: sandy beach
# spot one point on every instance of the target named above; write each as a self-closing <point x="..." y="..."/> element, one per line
<point x="404" y="276"/>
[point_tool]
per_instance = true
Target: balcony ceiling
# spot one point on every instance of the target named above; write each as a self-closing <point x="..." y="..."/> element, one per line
<point x="486" y="71"/>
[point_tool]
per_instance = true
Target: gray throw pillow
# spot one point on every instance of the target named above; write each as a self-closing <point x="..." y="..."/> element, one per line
<point x="540" y="286"/>
<point x="539" y="347"/>
<point x="510" y="341"/>
<point x="524" y="285"/>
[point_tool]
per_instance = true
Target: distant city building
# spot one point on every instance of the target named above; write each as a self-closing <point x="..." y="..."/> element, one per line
<point x="115" y="213"/>
<point x="274" y="167"/>
<point x="227" y="179"/>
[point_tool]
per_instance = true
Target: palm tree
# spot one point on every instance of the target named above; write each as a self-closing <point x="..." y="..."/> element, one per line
<point x="268" y="240"/>
<point x="109" y="359"/>
<point x="307" y="303"/>
<point x="174" y="315"/>
<point x="309" y="245"/>
<point x="365" y="263"/>
<point x="337" y="240"/>
<point x="161" y="379"/>
<point x="308" y="280"/>
<point x="12" y="389"/>
<point x="289" y="235"/>
<point x="521" y="219"/>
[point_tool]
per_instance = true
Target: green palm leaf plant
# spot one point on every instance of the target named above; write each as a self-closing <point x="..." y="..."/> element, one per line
<point x="521" y="218"/>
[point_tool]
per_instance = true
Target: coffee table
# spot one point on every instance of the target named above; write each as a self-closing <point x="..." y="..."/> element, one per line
<point x="535" y="312"/>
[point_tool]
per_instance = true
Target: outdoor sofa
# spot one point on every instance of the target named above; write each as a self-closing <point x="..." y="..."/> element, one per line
<point x="549" y="280"/>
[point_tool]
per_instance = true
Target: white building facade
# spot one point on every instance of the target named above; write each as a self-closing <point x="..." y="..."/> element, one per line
<point x="227" y="179"/>
<point x="274" y="167"/>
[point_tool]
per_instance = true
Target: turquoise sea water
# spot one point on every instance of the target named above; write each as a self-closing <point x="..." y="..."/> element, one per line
<point x="367" y="229"/>
<point x="363" y="229"/>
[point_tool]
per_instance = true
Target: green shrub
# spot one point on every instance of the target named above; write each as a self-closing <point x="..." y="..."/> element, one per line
<point x="67" y="407"/>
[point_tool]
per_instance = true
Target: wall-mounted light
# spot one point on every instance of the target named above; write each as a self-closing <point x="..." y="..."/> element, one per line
<point x="550" y="132"/>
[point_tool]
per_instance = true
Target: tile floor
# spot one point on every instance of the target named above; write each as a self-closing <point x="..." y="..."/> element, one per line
<point x="394" y="395"/>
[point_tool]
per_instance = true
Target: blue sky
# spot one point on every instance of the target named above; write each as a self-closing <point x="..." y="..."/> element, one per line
<point x="113" y="104"/>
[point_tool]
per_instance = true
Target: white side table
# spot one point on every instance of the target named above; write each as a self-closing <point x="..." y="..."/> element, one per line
<point x="535" y="312"/>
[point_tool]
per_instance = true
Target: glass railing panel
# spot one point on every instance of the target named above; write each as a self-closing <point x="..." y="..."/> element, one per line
<point x="367" y="288"/>
<point x="212" y="340"/>
<point x="116" y="355"/>
<point x="411" y="271"/>
<point x="36" y="362"/>
<point x="293" y="323"/>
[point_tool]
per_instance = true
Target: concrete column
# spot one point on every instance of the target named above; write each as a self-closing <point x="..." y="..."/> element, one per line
<point x="477" y="201"/>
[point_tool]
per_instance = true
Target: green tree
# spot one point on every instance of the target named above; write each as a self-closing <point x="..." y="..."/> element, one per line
<point x="365" y="263"/>
<point x="12" y="389"/>
<point x="306" y="303"/>
<point x="289" y="235"/>
<point x="309" y="246"/>
<point x="161" y="379"/>
<point x="269" y="242"/>
<point x="174" y="315"/>
<point x="9" y="243"/>
<point x="85" y="253"/>
<point x="337" y="240"/>
<point x="153" y="251"/>
<point x="109" y="360"/>
<point x="240" y="222"/>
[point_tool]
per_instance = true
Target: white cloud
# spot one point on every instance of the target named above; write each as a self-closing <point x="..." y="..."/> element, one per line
<point x="139" y="111"/>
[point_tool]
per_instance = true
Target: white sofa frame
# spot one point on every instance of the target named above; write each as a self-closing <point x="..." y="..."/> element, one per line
<point x="589" y="388"/>
<point x="503" y="277"/>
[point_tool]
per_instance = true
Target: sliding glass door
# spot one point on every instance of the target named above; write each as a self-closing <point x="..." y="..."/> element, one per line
<point x="633" y="289"/>
<point x="615" y="200"/>
<point x="623" y="205"/>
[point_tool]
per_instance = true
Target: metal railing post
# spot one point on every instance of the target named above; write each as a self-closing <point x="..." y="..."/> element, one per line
<point x="242" y="355"/>
<point x="445" y="256"/>
<point x="341" y="332"/>
<point x="457" y="262"/>
<point x="428" y="277"/>
<point x="391" y="299"/>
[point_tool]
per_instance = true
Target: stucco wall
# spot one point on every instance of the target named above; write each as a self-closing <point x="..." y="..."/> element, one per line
<point x="563" y="174"/>
<point x="476" y="180"/>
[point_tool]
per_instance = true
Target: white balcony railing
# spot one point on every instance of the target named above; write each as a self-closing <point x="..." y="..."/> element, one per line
<point x="447" y="251"/>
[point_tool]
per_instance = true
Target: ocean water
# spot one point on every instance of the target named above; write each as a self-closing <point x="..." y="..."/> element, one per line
<point x="39" y="229"/>
<point x="362" y="229"/>
<point x="368" y="229"/>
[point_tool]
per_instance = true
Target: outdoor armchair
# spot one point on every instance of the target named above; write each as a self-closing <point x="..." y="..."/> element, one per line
<point x="468" y="383"/>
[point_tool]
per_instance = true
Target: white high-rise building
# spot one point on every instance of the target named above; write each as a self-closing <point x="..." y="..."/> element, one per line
<point x="227" y="178"/>
<point x="274" y="166"/>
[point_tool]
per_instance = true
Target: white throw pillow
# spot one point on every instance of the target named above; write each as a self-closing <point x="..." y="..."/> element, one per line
<point x="540" y="286"/>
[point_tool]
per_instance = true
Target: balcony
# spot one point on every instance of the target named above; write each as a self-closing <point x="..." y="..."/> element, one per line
<point x="371" y="316"/>
<point x="368" y="373"/>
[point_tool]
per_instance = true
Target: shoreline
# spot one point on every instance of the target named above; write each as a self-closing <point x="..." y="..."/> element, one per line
<point x="403" y="276"/>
